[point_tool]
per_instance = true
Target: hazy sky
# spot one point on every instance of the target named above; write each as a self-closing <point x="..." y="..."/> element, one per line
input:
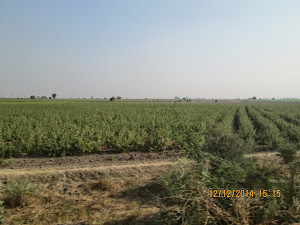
<point x="154" y="49"/>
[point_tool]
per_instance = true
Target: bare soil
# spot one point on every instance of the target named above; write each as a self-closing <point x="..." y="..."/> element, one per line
<point x="93" y="160"/>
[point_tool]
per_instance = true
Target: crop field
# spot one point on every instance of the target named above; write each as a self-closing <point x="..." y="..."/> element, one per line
<point x="64" y="128"/>
<point x="148" y="162"/>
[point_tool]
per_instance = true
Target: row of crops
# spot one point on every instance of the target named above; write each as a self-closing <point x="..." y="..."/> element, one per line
<point x="59" y="128"/>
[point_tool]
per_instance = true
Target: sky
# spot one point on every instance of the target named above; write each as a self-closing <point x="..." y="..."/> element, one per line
<point x="150" y="49"/>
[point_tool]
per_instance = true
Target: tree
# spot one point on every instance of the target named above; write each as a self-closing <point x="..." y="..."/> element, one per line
<point x="254" y="98"/>
<point x="50" y="97"/>
<point x="112" y="99"/>
<point x="32" y="97"/>
<point x="119" y="98"/>
<point x="54" y="95"/>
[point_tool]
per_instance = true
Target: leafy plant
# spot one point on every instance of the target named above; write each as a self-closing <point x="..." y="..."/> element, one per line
<point x="225" y="144"/>
<point x="16" y="191"/>
<point x="288" y="153"/>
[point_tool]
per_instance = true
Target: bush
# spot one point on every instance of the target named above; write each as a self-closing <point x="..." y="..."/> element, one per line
<point x="1" y="211"/>
<point x="224" y="144"/>
<point x="187" y="198"/>
<point x="15" y="192"/>
<point x="288" y="153"/>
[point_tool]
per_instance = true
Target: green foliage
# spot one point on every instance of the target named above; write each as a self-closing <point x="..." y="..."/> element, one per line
<point x="187" y="199"/>
<point x="245" y="127"/>
<point x="225" y="144"/>
<point x="289" y="131"/>
<point x="288" y="152"/>
<point x="1" y="211"/>
<point x="58" y="128"/>
<point x="61" y="128"/>
<point x="16" y="191"/>
<point x="266" y="132"/>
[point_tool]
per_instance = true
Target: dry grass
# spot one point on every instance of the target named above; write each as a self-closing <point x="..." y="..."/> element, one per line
<point x="97" y="205"/>
<point x="91" y="197"/>
<point x="114" y="196"/>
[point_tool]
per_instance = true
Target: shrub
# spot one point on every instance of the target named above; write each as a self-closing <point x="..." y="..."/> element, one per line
<point x="16" y="191"/>
<point x="187" y="197"/>
<point x="224" y="144"/>
<point x="288" y="152"/>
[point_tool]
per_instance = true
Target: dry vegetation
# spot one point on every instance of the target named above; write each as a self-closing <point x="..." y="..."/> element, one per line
<point x="104" y="195"/>
<point x="143" y="192"/>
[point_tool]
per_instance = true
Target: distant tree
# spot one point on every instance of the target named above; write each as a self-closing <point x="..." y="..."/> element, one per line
<point x="112" y="99"/>
<point x="54" y="95"/>
<point x="43" y="97"/>
<point x="216" y="100"/>
<point x="254" y="98"/>
<point x="32" y="97"/>
<point x="119" y="98"/>
<point x="92" y="97"/>
<point x="273" y="98"/>
<point x="50" y="97"/>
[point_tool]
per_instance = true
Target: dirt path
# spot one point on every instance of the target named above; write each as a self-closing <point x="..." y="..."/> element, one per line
<point x="93" y="160"/>
<point x="62" y="170"/>
<point x="92" y="189"/>
<point x="86" y="168"/>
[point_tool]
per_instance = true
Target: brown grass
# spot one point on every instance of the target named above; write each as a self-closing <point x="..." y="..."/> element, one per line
<point x="91" y="196"/>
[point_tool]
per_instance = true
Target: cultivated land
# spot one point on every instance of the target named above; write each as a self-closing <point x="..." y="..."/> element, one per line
<point x="95" y="162"/>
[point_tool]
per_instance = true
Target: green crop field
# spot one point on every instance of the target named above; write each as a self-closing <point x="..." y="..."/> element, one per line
<point x="66" y="127"/>
<point x="196" y="149"/>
